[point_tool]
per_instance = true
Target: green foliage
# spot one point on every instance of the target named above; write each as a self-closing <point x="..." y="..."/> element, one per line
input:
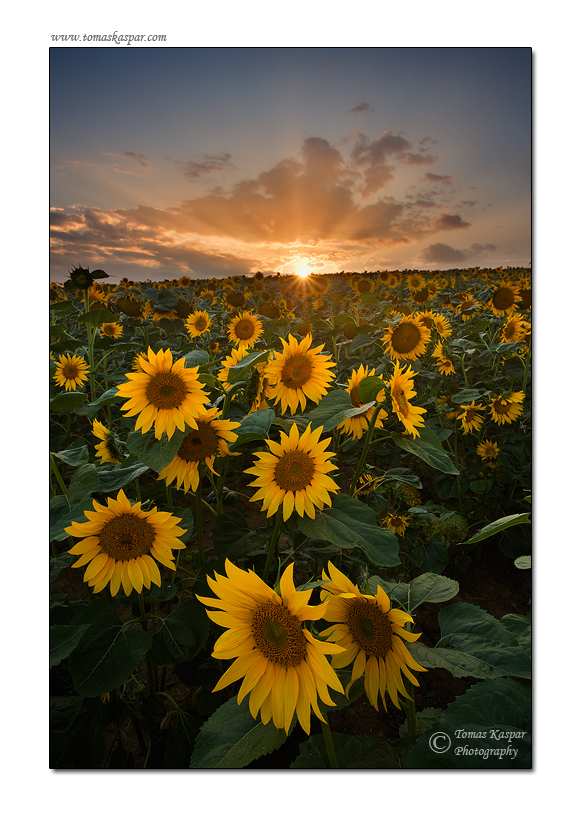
<point x="429" y="448"/>
<point x="353" y="752"/>
<point x="333" y="409"/>
<point x="499" y="525"/>
<point x="156" y="453"/>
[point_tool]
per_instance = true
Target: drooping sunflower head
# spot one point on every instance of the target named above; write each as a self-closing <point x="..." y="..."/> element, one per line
<point x="507" y="408"/>
<point x="514" y="329"/>
<point x="407" y="339"/>
<point x="166" y="395"/>
<point x="108" y="449"/>
<point x="198" y="322"/>
<point x="372" y="634"/>
<point x="71" y="371"/>
<point x="401" y="388"/>
<point x="294" y="474"/>
<point x="245" y="329"/>
<point x="120" y="542"/>
<point x="298" y="373"/>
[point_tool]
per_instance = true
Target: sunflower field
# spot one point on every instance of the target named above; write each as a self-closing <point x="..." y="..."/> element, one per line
<point x="290" y="521"/>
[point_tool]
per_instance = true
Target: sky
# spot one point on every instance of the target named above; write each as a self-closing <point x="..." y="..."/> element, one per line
<point x="214" y="162"/>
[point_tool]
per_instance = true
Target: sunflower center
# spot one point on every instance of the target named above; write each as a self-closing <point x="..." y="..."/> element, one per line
<point x="470" y="413"/>
<point x="354" y="395"/>
<point x="244" y="329"/>
<point x="405" y="338"/>
<point x="370" y="628"/>
<point x="502" y="407"/>
<point x="199" y="444"/>
<point x="296" y="371"/>
<point x="278" y="634"/>
<point x="422" y="295"/>
<point x="166" y="391"/>
<point x="108" y="330"/>
<point x="399" y="398"/>
<point x="363" y="286"/>
<point x="126" y="536"/>
<point x="70" y="371"/>
<point x="503" y="298"/>
<point x="294" y="471"/>
<point x="200" y="323"/>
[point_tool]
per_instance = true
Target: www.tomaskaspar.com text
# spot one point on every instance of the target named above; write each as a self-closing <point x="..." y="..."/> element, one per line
<point x="109" y="38"/>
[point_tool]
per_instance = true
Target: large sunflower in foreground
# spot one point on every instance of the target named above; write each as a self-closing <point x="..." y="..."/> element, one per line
<point x="71" y="371"/>
<point x="120" y="542"/>
<point x="401" y="387"/>
<point x="166" y="395"/>
<point x="507" y="408"/>
<point x="406" y="340"/>
<point x="294" y="474"/>
<point x="373" y="635"/>
<point x="244" y="329"/>
<point x="358" y="424"/>
<point x="283" y="666"/>
<point x="202" y="445"/>
<point x="298" y="373"/>
<point x="107" y="449"/>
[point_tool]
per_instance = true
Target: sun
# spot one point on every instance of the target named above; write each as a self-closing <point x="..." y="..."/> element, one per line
<point x="303" y="271"/>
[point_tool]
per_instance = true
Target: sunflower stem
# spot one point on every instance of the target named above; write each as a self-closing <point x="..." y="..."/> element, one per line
<point x="464" y="370"/>
<point x="91" y="342"/>
<point x="526" y="373"/>
<point x="199" y="525"/>
<point x="362" y="459"/>
<point x="57" y="474"/>
<point x="273" y="543"/>
<point x="329" y="745"/>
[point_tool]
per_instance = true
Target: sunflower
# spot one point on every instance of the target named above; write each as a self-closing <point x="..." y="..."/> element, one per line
<point x="120" y="542"/>
<point x="415" y="282"/>
<point x="355" y="426"/>
<point x="298" y="373"/>
<point x="107" y="449"/>
<point x="362" y="284"/>
<point x="467" y="307"/>
<point x="396" y="523"/>
<point x="470" y="418"/>
<point x="256" y="389"/>
<point x="514" y="329"/>
<point x="204" y="444"/>
<point x="234" y="298"/>
<point x="366" y="483"/>
<point x="71" y="371"/>
<point x="294" y="474"/>
<point x="236" y="355"/>
<point x="445" y="364"/>
<point x="138" y="362"/>
<point x="283" y="666"/>
<point x="406" y="340"/>
<point x="392" y="280"/>
<point x="373" y="635"/>
<point x="244" y="329"/>
<point x="167" y="395"/>
<point x="507" y="409"/>
<point x="442" y="325"/>
<point x="112" y="329"/>
<point x="401" y="388"/>
<point x="488" y="449"/>
<point x="426" y="318"/>
<point x="421" y="296"/>
<point x="504" y="299"/>
<point x="198" y="322"/>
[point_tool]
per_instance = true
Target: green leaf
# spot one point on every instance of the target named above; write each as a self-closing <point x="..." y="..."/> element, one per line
<point x="430" y="588"/>
<point x="231" y="738"/>
<point x="361" y="340"/>
<point x="404" y="476"/>
<point x="523" y="562"/>
<point x="196" y="358"/>
<point x="75" y="456"/>
<point x="181" y="635"/>
<point x="233" y="538"/>
<point x="62" y="514"/>
<point x="63" y="640"/>
<point x="498" y="716"/>
<point x="474" y="644"/>
<point x="239" y="371"/>
<point x="350" y="523"/>
<point x="499" y="525"/>
<point x="369" y="387"/>
<point x="63" y="711"/>
<point x="59" y="563"/>
<point x="353" y="752"/>
<point x="253" y="427"/>
<point x="98" y="317"/>
<point x="113" y="476"/>
<point x="429" y="448"/>
<point x="181" y="739"/>
<point x="66" y="402"/>
<point x="108" y="397"/>
<point x="466" y="396"/>
<point x="333" y="409"/>
<point x="85" y="481"/>
<point x="430" y="556"/>
<point x="155" y="452"/>
<point x="107" y="659"/>
<point x="481" y="486"/>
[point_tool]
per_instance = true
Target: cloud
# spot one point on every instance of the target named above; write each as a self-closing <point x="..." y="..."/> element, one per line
<point x="448" y="222"/>
<point x="139" y="158"/>
<point x="443" y="180"/>
<point x="440" y="253"/>
<point x="359" y="109"/>
<point x="211" y="164"/>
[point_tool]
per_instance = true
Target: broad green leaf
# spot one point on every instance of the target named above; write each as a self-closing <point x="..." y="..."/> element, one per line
<point x="98" y="317"/>
<point x="254" y="427"/>
<point x="106" y="661"/>
<point x="333" y="409"/>
<point x="481" y="486"/>
<point x="62" y="514"/>
<point x="75" y="457"/>
<point x="108" y="397"/>
<point x="361" y="340"/>
<point x="404" y="476"/>
<point x="66" y="402"/>
<point x="353" y="752"/>
<point x="466" y="396"/>
<point x="487" y="728"/>
<point x="240" y="371"/>
<point x="113" y="476"/>
<point x="62" y="561"/>
<point x="196" y="358"/>
<point x="62" y="640"/>
<point x="182" y="634"/>
<point x="181" y="739"/>
<point x="369" y="387"/>
<point x="431" y="588"/>
<point x="85" y="481"/>
<point x="429" y="556"/>
<point x="499" y="525"/>
<point x="523" y="562"/>
<point x="233" y="538"/>
<point x="231" y="738"/>
<point x="350" y="523"/>
<point x="156" y="453"/>
<point x="63" y="711"/>
<point x="429" y="448"/>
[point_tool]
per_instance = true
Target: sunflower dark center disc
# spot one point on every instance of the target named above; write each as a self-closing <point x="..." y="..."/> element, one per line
<point x="70" y="371"/>
<point x="296" y="371"/>
<point x="278" y="634"/>
<point x="200" y="323"/>
<point x="422" y="295"/>
<point x="363" y="286"/>
<point x="294" y="471"/>
<point x="405" y="337"/>
<point x="370" y="628"/>
<point x="354" y="396"/>
<point x="199" y="444"/>
<point x="166" y="391"/>
<point x="126" y="536"/>
<point x="400" y="399"/>
<point x="244" y="329"/>
<point x="502" y="407"/>
<point x="503" y="299"/>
